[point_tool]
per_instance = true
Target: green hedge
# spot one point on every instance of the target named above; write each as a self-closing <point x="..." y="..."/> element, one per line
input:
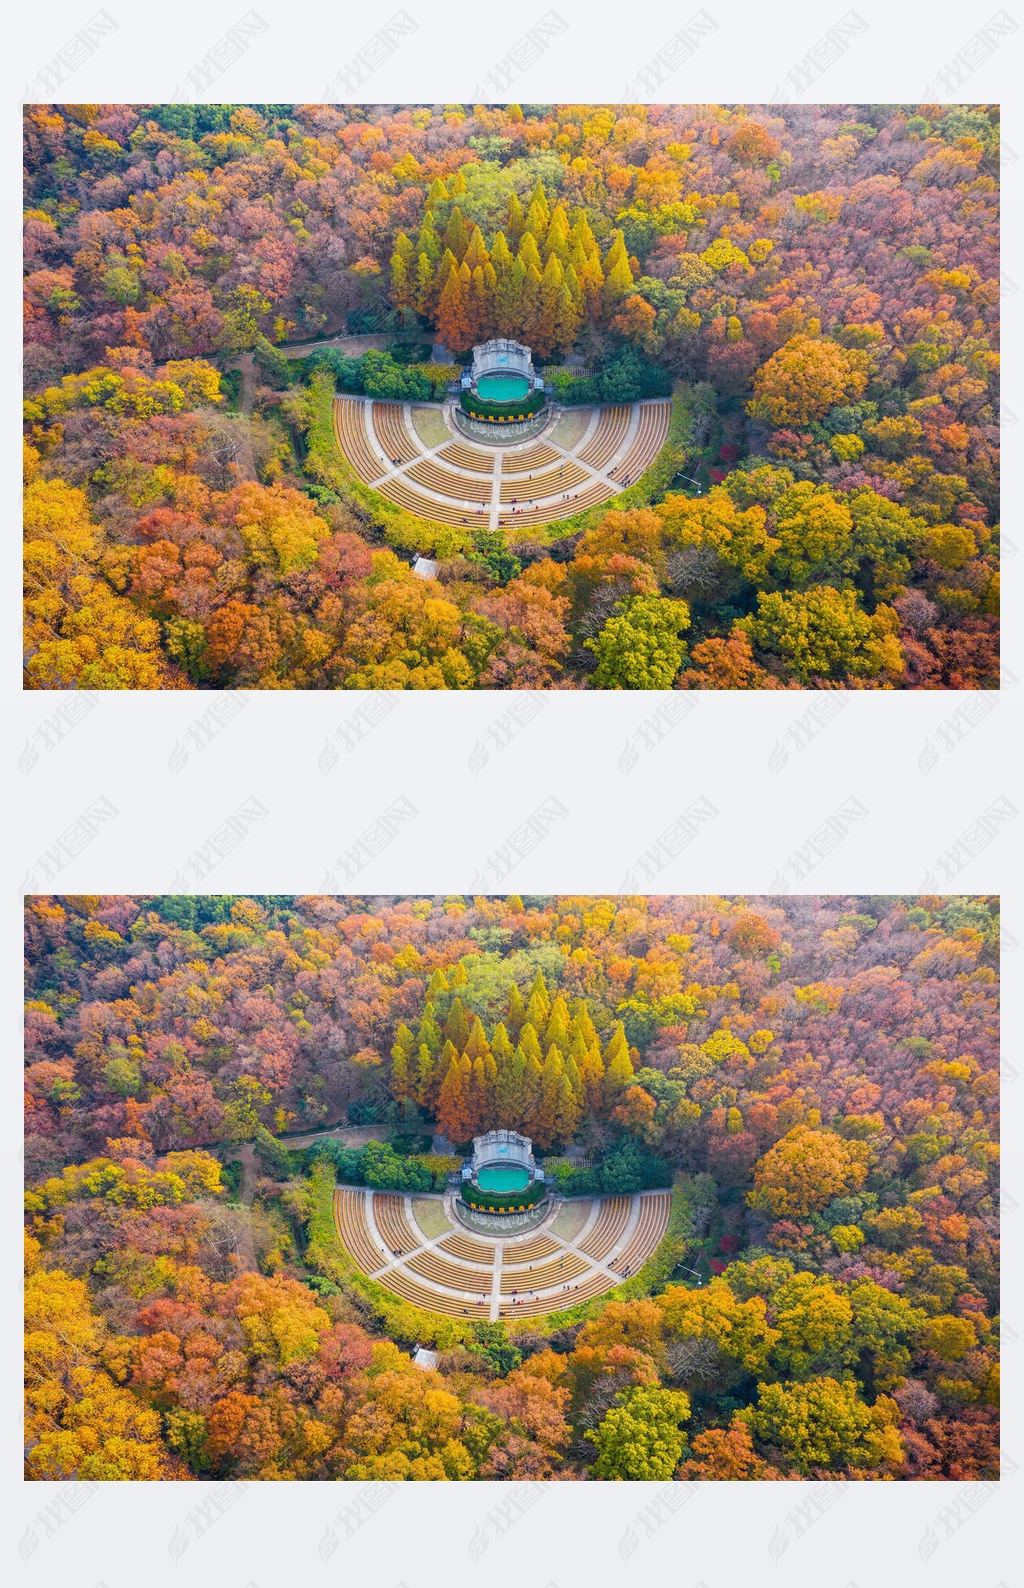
<point x="521" y="408"/>
<point x="379" y="1166"/>
<point x="503" y="1201"/>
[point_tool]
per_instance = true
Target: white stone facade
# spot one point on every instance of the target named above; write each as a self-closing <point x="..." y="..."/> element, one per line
<point x="501" y="357"/>
<point x="502" y="1147"/>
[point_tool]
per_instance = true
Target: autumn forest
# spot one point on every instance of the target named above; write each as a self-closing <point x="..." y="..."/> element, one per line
<point x="809" y="295"/>
<point x="804" y="1089"/>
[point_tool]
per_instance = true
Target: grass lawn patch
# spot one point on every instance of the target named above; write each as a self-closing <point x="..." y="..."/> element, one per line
<point x="430" y="426"/>
<point x="430" y="1215"/>
<point x="570" y="427"/>
<point x="570" y="1219"/>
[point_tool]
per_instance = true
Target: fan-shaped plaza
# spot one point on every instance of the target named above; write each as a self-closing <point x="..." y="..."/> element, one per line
<point x="499" y="1243"/>
<point x="498" y="453"/>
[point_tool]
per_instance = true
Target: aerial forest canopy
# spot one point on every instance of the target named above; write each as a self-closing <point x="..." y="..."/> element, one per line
<point x="816" y="1079"/>
<point x="817" y="287"/>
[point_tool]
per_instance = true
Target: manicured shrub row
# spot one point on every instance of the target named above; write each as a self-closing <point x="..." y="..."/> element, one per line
<point x="506" y="412"/>
<point x="504" y="1201"/>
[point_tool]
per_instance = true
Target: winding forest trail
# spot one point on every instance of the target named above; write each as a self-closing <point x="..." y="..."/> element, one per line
<point x="242" y="455"/>
<point x="245" y="1247"/>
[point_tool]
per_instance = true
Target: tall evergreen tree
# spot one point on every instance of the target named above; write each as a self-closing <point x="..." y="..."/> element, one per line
<point x="566" y="1111"/>
<point x="481" y="1105"/>
<point x="428" y="1030"/>
<point x="557" y="1030"/>
<point x="479" y="307"/>
<point x="530" y="1042"/>
<point x="448" y="266"/>
<point x="539" y="199"/>
<point x="516" y="1011"/>
<point x="518" y="298"/>
<point x="557" y="241"/>
<point x="591" y="1071"/>
<point x="581" y="233"/>
<point x="591" y="279"/>
<point x="403" y="273"/>
<point x="618" y="277"/>
<point x="476" y="251"/>
<point x="402" y="1085"/>
<point x="582" y="1025"/>
<point x="456" y="1027"/>
<point x="428" y="242"/>
<point x="530" y="1106"/>
<point x="424" y="296"/>
<point x="505" y="303"/>
<point x="501" y="1046"/>
<point x="538" y="1010"/>
<point x="529" y="253"/>
<point x="575" y="1081"/>
<point x="454" y="314"/>
<point x="553" y="1084"/>
<point x="476" y="1043"/>
<point x="438" y="194"/>
<point x="509" y="1091"/>
<point x="516" y="221"/>
<point x="456" y="234"/>
<point x="453" y="1105"/>
<point x="425" y="1082"/>
<point x="618" y="1065"/>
